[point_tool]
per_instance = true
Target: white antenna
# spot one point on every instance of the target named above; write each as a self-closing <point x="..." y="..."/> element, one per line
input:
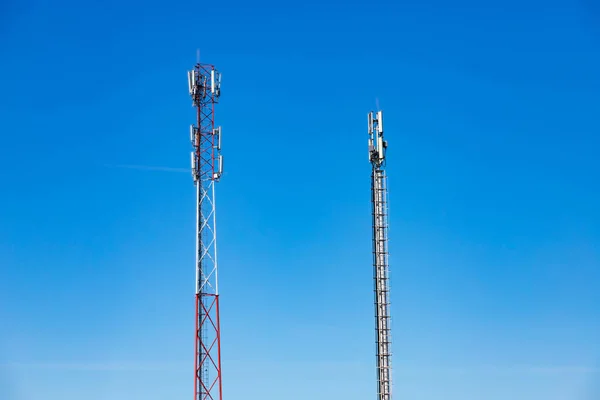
<point x="377" y="144"/>
<point x="194" y="174"/>
<point x="217" y="133"/>
<point x="191" y="81"/>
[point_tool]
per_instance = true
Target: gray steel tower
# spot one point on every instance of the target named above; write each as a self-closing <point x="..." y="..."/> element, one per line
<point x="377" y="149"/>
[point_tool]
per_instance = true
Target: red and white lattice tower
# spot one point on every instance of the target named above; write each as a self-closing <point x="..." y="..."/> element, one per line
<point x="205" y="88"/>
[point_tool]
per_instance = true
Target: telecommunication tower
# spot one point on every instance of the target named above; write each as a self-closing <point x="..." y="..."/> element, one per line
<point x="207" y="166"/>
<point x="377" y="149"/>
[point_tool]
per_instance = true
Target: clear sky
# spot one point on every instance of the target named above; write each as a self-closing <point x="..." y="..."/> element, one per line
<point x="491" y="113"/>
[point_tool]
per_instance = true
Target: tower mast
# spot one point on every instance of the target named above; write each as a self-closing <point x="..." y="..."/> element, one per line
<point x="205" y="88"/>
<point x="377" y="150"/>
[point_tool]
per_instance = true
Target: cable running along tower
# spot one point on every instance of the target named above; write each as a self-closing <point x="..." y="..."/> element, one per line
<point x="377" y="149"/>
<point x="207" y="165"/>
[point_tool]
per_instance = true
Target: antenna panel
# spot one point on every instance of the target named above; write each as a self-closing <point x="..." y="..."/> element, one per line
<point x="193" y="165"/>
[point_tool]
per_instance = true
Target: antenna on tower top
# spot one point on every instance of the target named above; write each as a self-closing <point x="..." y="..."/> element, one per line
<point x="377" y="145"/>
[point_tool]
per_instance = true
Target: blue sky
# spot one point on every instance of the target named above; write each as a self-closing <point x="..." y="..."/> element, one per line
<point x="491" y="117"/>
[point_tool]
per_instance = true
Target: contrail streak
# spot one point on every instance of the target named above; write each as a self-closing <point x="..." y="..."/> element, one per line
<point x="118" y="366"/>
<point x="149" y="168"/>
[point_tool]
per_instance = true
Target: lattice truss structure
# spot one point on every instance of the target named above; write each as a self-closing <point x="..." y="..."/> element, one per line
<point x="207" y="164"/>
<point x="379" y="203"/>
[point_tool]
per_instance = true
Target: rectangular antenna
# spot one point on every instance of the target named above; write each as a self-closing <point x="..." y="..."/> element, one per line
<point x="191" y="80"/>
<point x="193" y="165"/>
